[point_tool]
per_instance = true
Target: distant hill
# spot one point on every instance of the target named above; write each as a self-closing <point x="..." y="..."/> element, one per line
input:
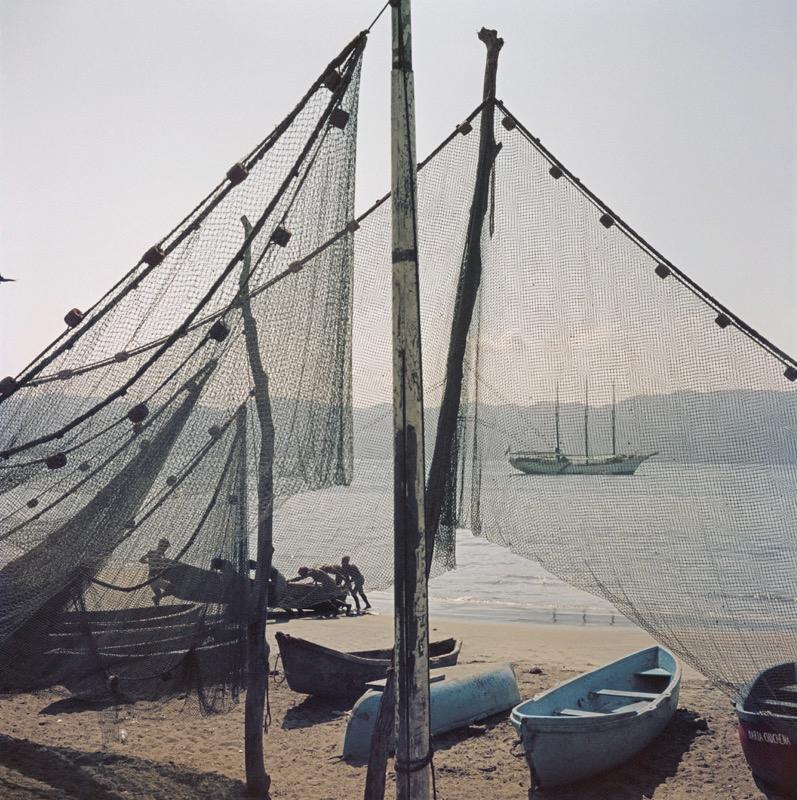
<point x="725" y="427"/>
<point x="716" y="427"/>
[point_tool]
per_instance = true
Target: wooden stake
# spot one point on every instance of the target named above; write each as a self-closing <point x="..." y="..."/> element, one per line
<point x="413" y="746"/>
<point x="467" y="291"/>
<point x="380" y="741"/>
<point x="258" y="781"/>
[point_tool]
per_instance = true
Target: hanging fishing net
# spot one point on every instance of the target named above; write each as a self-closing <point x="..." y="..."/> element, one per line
<point x="616" y="423"/>
<point x="130" y="448"/>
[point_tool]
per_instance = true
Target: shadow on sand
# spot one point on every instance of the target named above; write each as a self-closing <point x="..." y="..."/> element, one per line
<point x="314" y="710"/>
<point x="77" y="705"/>
<point x="101" y="775"/>
<point x="445" y="741"/>
<point x="639" y="778"/>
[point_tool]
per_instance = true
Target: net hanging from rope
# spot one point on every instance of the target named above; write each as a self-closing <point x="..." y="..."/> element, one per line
<point x="671" y="489"/>
<point x="696" y="546"/>
<point x="130" y="446"/>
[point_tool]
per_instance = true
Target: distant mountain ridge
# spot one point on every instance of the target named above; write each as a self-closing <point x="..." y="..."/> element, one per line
<point x="740" y="426"/>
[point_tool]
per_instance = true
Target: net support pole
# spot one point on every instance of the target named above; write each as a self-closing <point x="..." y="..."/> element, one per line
<point x="258" y="781"/>
<point x="413" y="743"/>
<point x="470" y="273"/>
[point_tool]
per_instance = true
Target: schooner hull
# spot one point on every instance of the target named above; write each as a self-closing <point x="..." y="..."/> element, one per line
<point x="622" y="465"/>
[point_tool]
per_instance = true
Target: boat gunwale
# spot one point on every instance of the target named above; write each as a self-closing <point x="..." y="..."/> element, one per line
<point x="567" y="725"/>
<point x="353" y="657"/>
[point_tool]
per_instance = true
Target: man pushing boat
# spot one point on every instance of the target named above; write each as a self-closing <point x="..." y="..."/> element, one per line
<point x="355" y="580"/>
<point x="328" y="586"/>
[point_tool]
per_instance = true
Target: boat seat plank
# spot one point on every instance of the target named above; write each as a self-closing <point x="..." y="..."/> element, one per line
<point x="580" y="712"/>
<point x="656" y="672"/>
<point x="780" y="704"/>
<point x="622" y="693"/>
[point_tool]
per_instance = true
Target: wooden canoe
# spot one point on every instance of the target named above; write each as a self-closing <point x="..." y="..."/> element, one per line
<point x="598" y="720"/>
<point x="314" y="669"/>
<point x="767" y="711"/>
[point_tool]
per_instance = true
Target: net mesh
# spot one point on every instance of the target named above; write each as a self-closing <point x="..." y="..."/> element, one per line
<point x="615" y="424"/>
<point x="129" y="479"/>
<point x="671" y="489"/>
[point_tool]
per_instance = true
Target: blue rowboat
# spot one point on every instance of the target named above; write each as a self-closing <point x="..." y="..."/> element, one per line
<point x="598" y="720"/>
<point x="459" y="696"/>
<point x="767" y="712"/>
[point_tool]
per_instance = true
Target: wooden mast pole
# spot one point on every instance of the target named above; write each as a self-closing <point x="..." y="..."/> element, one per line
<point x="467" y="292"/>
<point x="258" y="781"/>
<point x="413" y="745"/>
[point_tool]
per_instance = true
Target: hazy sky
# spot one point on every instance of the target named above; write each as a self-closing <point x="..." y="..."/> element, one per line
<point x="118" y="115"/>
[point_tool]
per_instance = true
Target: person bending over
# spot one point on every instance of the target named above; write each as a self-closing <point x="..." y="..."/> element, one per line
<point x="327" y="584"/>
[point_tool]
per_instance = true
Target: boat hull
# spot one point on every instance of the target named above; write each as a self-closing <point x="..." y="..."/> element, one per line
<point x="768" y="738"/>
<point x="311" y="668"/>
<point x="622" y="465"/>
<point x="459" y="696"/>
<point x="599" y="720"/>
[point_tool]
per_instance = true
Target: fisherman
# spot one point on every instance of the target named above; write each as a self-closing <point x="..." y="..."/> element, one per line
<point x="355" y="580"/>
<point x="158" y="567"/>
<point x="337" y="573"/>
<point x="327" y="585"/>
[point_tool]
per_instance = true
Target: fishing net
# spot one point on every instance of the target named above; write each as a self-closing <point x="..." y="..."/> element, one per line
<point x="669" y="489"/>
<point x="130" y="447"/>
<point x="586" y="355"/>
<point x="663" y="478"/>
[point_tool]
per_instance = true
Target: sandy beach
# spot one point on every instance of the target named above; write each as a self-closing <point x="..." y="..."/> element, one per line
<point x="49" y="749"/>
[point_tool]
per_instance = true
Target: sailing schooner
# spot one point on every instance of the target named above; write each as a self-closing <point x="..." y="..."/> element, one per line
<point x="540" y="462"/>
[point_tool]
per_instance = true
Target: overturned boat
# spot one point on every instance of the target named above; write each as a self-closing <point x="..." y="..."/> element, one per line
<point x="311" y="668"/>
<point x="767" y="712"/>
<point x="598" y="720"/>
<point x="459" y="696"/>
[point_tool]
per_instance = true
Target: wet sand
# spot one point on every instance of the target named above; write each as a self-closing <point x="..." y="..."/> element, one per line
<point x="51" y="749"/>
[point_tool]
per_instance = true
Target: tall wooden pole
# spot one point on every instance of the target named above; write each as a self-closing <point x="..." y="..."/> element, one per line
<point x="258" y="781"/>
<point x="467" y="292"/>
<point x="413" y="746"/>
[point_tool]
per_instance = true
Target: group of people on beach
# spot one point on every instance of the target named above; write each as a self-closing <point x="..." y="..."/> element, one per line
<point x="335" y="582"/>
<point x="336" y="579"/>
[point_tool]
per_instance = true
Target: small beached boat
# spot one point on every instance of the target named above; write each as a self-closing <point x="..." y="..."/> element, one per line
<point x="314" y="669"/>
<point x="767" y="714"/>
<point x="459" y="696"/>
<point x="598" y="720"/>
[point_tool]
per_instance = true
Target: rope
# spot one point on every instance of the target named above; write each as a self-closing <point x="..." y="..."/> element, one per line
<point x="376" y="18"/>
<point x="256" y="228"/>
<point x="635" y="237"/>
